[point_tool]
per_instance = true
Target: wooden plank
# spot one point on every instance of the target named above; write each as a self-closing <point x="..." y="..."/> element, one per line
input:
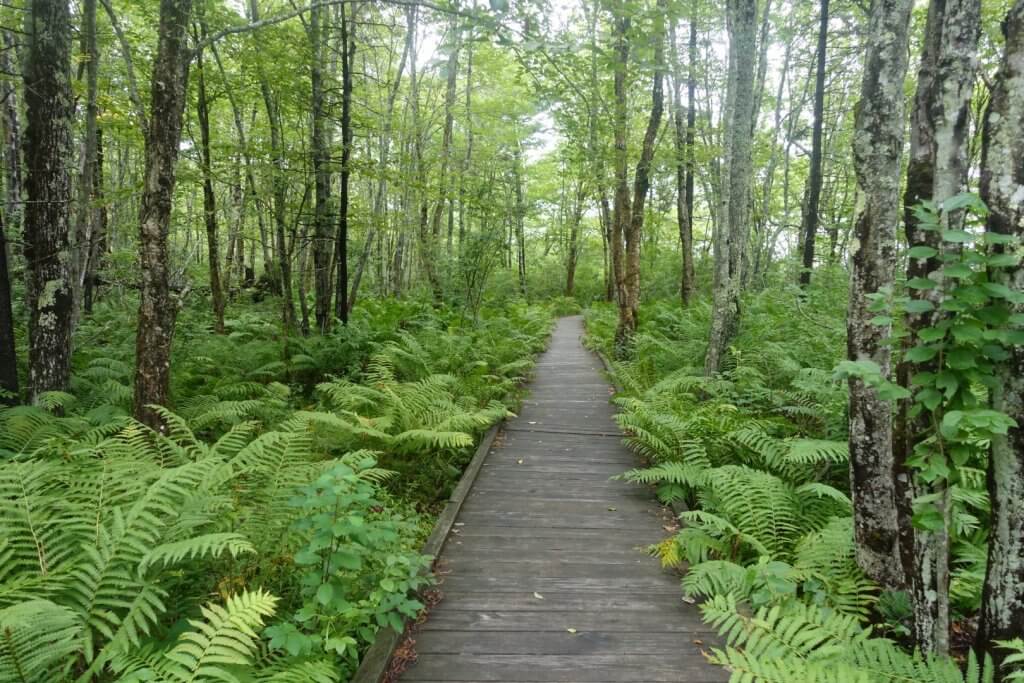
<point x="564" y="643"/>
<point x="564" y="600"/>
<point x="624" y="668"/>
<point x="544" y="620"/>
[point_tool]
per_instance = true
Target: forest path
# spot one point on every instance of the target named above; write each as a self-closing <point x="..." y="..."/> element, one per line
<point x="544" y="575"/>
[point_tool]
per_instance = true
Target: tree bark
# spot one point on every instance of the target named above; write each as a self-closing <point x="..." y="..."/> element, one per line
<point x="937" y="171"/>
<point x="8" y="352"/>
<point x="734" y="229"/>
<point x="209" y="198"/>
<point x="348" y="49"/>
<point x="157" y="308"/>
<point x="684" y="138"/>
<point x="321" y="177"/>
<point x="810" y="217"/>
<point x="1002" y="189"/>
<point x="85" y="215"/>
<point x="11" y="137"/>
<point x="877" y="145"/>
<point x="98" y="238"/>
<point x="49" y="107"/>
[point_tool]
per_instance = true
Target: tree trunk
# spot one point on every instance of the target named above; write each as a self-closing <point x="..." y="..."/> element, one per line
<point x="98" y="239"/>
<point x="321" y="178"/>
<point x="621" y="199"/>
<point x="157" y="309"/>
<point x="84" y="216"/>
<point x="49" y="108"/>
<point x="684" y="161"/>
<point x="734" y="228"/>
<point x="937" y="171"/>
<point x="573" y="248"/>
<point x="1002" y="189"/>
<point x="519" y="217"/>
<point x="877" y="145"/>
<point x="8" y="353"/>
<point x="810" y="222"/>
<point x="452" y="72"/>
<point x="209" y="198"/>
<point x="348" y="48"/>
<point x="11" y="137"/>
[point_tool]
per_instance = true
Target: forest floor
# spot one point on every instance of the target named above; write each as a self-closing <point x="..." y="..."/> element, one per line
<point x="545" y="576"/>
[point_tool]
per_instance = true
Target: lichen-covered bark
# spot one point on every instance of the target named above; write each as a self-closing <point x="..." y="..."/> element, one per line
<point x="877" y="145"/>
<point x="684" y="142"/>
<point x="731" y="243"/>
<point x="322" y="245"/>
<point x="209" y="198"/>
<point x="157" y="308"/>
<point x="8" y="354"/>
<point x="937" y="171"/>
<point x="1002" y="188"/>
<point x="49" y="107"/>
<point x="85" y="216"/>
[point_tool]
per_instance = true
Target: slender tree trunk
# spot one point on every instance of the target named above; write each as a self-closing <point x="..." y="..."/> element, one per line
<point x="83" y="218"/>
<point x="452" y="72"/>
<point x="734" y="228"/>
<point x="321" y="177"/>
<point x="684" y="170"/>
<point x="810" y="217"/>
<point x="573" y="248"/>
<point x="641" y="185"/>
<point x="209" y="198"/>
<point x="621" y="200"/>
<point x="11" y="137"/>
<point x="98" y="238"/>
<point x="877" y="145"/>
<point x="348" y="49"/>
<point x="49" y="108"/>
<point x="1002" y="189"/>
<point x="519" y="217"/>
<point x="8" y="353"/>
<point x="157" y="309"/>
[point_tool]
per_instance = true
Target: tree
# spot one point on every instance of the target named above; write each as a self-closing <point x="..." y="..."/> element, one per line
<point x="209" y="198"/>
<point x="730" y="242"/>
<point x="628" y="209"/>
<point x="158" y="310"/>
<point x="877" y="145"/>
<point x="348" y="49"/>
<point x="937" y="171"/>
<point x="810" y="217"/>
<point x="321" y="172"/>
<point x="1002" y="189"/>
<point x="49" y="109"/>
<point x="684" y="141"/>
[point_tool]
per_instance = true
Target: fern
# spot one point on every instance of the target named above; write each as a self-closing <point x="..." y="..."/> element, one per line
<point x="37" y="641"/>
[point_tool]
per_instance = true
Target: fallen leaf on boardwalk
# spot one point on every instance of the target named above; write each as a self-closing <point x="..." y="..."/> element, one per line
<point x="698" y="642"/>
<point x="460" y="523"/>
<point x="520" y="461"/>
<point x="538" y="596"/>
<point x="571" y="630"/>
<point x="688" y="600"/>
<point x="612" y="509"/>
<point x="668" y="527"/>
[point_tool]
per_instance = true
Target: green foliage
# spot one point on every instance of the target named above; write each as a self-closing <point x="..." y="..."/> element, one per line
<point x="113" y="537"/>
<point x="806" y="643"/>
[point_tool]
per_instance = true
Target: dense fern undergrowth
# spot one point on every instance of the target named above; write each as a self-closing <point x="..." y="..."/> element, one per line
<point x="274" y="527"/>
<point x="757" y="456"/>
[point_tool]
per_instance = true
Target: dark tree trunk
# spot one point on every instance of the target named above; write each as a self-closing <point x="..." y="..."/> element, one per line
<point x="157" y="308"/>
<point x="98" y="234"/>
<point x="348" y="49"/>
<point x="810" y="217"/>
<point x="8" y="354"/>
<point x="1002" y="188"/>
<point x="209" y="198"/>
<point x="321" y="177"/>
<point x="84" y="219"/>
<point x="877" y="146"/>
<point x="49" y="107"/>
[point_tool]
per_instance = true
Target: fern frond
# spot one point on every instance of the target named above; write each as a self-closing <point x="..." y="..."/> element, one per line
<point x="37" y="641"/>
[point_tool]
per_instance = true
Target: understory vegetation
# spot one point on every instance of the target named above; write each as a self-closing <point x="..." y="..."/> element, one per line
<point x="273" y="527"/>
<point x="755" y="460"/>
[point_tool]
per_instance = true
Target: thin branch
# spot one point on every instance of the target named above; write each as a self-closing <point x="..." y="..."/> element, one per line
<point x="126" y="53"/>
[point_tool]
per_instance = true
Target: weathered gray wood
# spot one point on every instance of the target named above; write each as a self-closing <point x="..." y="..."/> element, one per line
<point x="546" y="542"/>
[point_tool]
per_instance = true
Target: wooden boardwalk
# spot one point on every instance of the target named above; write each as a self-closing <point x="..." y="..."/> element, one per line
<point x="544" y="575"/>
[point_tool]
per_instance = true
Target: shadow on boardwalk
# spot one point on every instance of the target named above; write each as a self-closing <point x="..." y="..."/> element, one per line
<point x="545" y="578"/>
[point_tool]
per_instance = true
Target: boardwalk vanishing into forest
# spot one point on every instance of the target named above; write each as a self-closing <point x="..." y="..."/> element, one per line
<point x="544" y="574"/>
